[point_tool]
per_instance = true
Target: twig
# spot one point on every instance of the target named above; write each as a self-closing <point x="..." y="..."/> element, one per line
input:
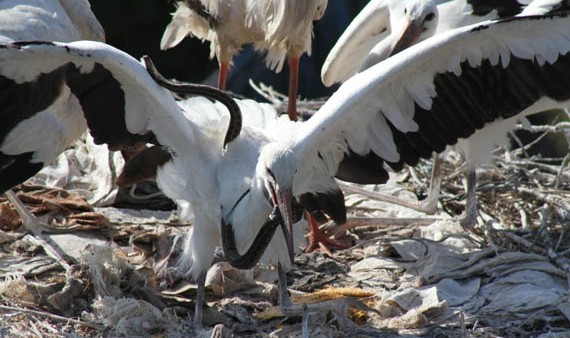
<point x="555" y="201"/>
<point x="522" y="241"/>
<point x="418" y="205"/>
<point x="524" y="218"/>
<point x="267" y="93"/>
<point x="280" y="101"/>
<point x="552" y="169"/>
<point x="35" y="328"/>
<point x="558" y="127"/>
<point x="560" y="261"/>
<point x="527" y="146"/>
<point x="382" y="222"/>
<point x="519" y="143"/>
<point x="52" y="316"/>
<point x="561" y="170"/>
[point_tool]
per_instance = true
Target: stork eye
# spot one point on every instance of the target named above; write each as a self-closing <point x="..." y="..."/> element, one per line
<point x="430" y="16"/>
<point x="406" y="10"/>
<point x="270" y="173"/>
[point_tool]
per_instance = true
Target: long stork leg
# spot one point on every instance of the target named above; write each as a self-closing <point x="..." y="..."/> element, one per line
<point x="223" y="75"/>
<point x="199" y="300"/>
<point x="317" y="240"/>
<point x="428" y="205"/>
<point x="469" y="218"/>
<point x="293" y="86"/>
<point x="316" y="237"/>
<point x="29" y="221"/>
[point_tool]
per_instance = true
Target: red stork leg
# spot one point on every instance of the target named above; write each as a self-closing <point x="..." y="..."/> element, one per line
<point x="293" y="85"/>
<point x="222" y="76"/>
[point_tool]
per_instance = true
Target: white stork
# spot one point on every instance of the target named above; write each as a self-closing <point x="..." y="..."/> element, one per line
<point x="371" y="32"/>
<point x="280" y="27"/>
<point x="379" y="29"/>
<point x="33" y="137"/>
<point x="123" y="104"/>
<point x="470" y="82"/>
<point x="246" y="207"/>
<point x="385" y="27"/>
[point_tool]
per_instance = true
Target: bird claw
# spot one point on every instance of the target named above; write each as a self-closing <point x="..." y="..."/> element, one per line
<point x="320" y="241"/>
<point x="317" y="240"/>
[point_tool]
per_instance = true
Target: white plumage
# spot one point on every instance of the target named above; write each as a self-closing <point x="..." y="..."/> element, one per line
<point x="343" y="62"/>
<point x="50" y="20"/>
<point x="371" y="36"/>
<point x="429" y="96"/>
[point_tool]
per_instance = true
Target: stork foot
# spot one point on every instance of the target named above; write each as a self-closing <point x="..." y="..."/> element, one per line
<point x="325" y="244"/>
<point x="318" y="240"/>
<point x="469" y="218"/>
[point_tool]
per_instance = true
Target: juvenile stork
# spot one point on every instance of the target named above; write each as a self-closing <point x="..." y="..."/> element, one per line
<point x="34" y="135"/>
<point x="280" y="27"/>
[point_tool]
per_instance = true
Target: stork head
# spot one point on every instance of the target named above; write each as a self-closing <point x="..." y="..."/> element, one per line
<point x="276" y="168"/>
<point x="421" y="18"/>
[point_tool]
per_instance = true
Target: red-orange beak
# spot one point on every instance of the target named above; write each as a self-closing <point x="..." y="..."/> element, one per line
<point x="283" y="200"/>
<point x="409" y="37"/>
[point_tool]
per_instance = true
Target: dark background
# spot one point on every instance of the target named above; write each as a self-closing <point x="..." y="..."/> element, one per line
<point x="136" y="26"/>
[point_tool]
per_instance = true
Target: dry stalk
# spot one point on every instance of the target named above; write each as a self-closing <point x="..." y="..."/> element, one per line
<point x="52" y="316"/>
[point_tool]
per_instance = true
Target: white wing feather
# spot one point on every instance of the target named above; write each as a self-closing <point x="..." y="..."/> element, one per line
<point x="372" y="96"/>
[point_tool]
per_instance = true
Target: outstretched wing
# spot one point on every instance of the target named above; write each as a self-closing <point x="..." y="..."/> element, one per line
<point x="120" y="101"/>
<point x="436" y="92"/>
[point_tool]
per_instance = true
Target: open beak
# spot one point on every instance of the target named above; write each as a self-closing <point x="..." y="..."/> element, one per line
<point x="283" y="200"/>
<point x="409" y="37"/>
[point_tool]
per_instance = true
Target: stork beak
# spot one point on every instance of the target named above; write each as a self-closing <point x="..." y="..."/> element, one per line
<point x="409" y="37"/>
<point x="283" y="200"/>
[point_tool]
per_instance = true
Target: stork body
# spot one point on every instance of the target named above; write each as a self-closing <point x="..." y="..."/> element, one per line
<point x="281" y="28"/>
